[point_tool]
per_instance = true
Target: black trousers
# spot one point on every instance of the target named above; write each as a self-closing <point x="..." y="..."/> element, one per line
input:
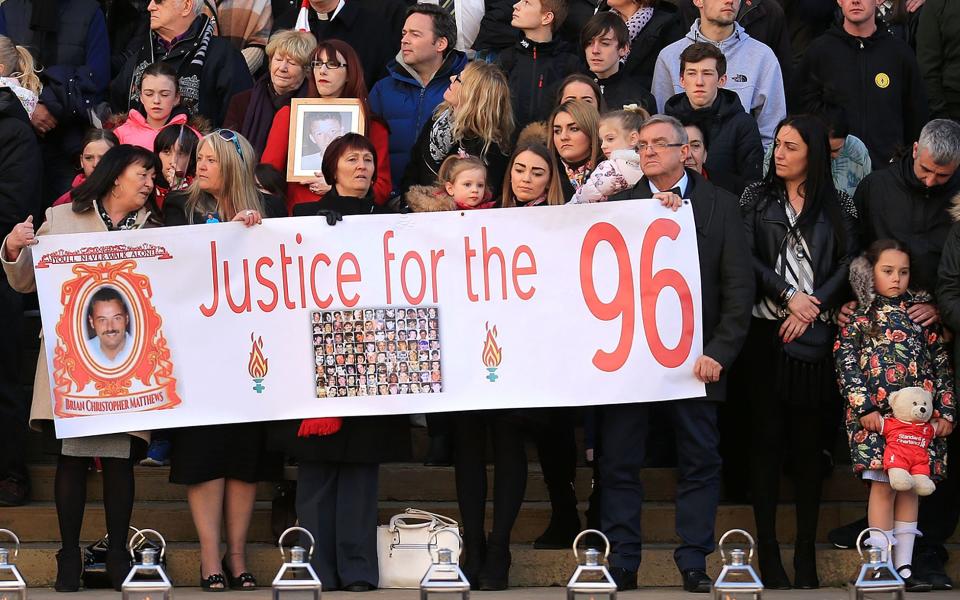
<point x="624" y="429"/>
<point x="471" y="429"/>
<point x="940" y="511"/>
<point x="14" y="401"/>
<point x="337" y="503"/>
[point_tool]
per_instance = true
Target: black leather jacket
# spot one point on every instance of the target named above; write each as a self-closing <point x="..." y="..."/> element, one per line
<point x="766" y="225"/>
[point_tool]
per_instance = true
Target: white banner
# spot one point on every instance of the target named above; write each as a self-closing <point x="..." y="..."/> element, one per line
<point x="507" y="308"/>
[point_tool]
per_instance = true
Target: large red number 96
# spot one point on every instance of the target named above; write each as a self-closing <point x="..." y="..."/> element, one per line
<point x="623" y="304"/>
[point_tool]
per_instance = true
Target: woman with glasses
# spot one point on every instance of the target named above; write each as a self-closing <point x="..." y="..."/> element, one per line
<point x="573" y="137"/>
<point x="475" y="118"/>
<point x="118" y="195"/>
<point x="251" y="112"/>
<point x="802" y="234"/>
<point x="221" y="464"/>
<point x="337" y="73"/>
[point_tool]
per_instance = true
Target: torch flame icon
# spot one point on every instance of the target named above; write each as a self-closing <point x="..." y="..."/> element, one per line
<point x="257" y="366"/>
<point x="492" y="352"/>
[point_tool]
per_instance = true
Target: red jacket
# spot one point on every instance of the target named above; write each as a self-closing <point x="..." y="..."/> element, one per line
<point x="275" y="155"/>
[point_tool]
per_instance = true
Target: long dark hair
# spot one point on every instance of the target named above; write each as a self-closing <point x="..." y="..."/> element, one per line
<point x="167" y="138"/>
<point x="818" y="190"/>
<point x="111" y="166"/>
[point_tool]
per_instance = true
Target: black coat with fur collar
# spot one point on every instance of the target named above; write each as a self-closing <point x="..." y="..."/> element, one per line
<point x="726" y="277"/>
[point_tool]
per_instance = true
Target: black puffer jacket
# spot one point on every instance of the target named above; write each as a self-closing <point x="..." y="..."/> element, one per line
<point x="664" y="28"/>
<point x="20" y="164"/>
<point x="532" y="68"/>
<point x="621" y="89"/>
<point x="893" y="203"/>
<point x="832" y="240"/>
<point x="877" y="82"/>
<point x="733" y="138"/>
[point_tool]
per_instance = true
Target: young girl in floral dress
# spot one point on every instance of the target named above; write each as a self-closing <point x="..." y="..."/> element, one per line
<point x="880" y="351"/>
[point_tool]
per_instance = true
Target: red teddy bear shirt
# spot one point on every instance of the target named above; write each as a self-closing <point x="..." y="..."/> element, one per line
<point x="906" y="446"/>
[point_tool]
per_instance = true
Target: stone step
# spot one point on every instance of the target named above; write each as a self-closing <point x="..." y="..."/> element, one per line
<point x="37" y="522"/>
<point x="530" y="567"/>
<point x="415" y="482"/>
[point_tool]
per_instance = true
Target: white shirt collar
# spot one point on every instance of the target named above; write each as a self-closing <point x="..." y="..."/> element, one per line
<point x="682" y="184"/>
<point x="333" y="15"/>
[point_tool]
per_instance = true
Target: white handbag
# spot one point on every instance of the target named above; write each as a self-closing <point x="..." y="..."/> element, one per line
<point x="405" y="547"/>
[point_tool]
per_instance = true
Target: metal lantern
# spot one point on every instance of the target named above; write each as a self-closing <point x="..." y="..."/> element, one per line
<point x="591" y="579"/>
<point x="296" y="579"/>
<point x="12" y="585"/>
<point x="444" y="576"/>
<point x="147" y="579"/>
<point x="737" y="579"/>
<point x="877" y="577"/>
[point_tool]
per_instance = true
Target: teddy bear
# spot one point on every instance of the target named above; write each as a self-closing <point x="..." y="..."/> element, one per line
<point x="908" y="434"/>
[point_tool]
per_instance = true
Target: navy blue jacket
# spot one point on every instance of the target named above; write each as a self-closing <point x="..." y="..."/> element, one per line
<point x="406" y="105"/>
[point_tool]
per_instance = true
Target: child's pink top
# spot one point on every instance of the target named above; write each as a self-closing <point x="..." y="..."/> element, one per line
<point x="135" y="130"/>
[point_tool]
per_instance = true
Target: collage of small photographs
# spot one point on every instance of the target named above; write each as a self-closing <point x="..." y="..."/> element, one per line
<point x="376" y="351"/>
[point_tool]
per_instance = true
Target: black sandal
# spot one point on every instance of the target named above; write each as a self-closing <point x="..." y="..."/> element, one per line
<point x="217" y="579"/>
<point x="243" y="582"/>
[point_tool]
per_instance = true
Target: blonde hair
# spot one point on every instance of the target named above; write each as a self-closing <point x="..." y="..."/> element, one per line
<point x="239" y="191"/>
<point x="628" y="119"/>
<point x="454" y="165"/>
<point x="298" y="45"/>
<point x="485" y="110"/>
<point x="585" y="115"/>
<point x="19" y="64"/>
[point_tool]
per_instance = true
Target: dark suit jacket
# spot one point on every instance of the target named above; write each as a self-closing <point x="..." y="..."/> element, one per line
<point x="726" y="275"/>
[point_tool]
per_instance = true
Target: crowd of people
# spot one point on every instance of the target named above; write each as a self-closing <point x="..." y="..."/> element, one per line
<point x="817" y="142"/>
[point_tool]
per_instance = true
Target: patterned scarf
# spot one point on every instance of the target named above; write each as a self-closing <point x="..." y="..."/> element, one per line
<point x="635" y="25"/>
<point x="577" y="176"/>
<point x="128" y="222"/>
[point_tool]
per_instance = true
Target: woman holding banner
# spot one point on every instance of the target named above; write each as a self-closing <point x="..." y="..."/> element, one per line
<point x="118" y="195"/>
<point x="339" y="458"/>
<point x="221" y="464"/>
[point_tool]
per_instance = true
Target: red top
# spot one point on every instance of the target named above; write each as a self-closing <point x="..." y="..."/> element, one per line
<point x="275" y="155"/>
<point x="906" y="445"/>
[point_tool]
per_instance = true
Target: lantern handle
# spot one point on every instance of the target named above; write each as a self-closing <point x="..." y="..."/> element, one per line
<point x="878" y="530"/>
<point x="313" y="542"/>
<point x="576" y="540"/>
<point x="436" y="536"/>
<point x="16" y="540"/>
<point x="142" y="533"/>
<point x="749" y="537"/>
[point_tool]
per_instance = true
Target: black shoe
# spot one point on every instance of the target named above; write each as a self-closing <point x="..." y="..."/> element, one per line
<point x="359" y="586"/>
<point x="929" y="567"/>
<point x="845" y="536"/>
<point x="14" y="492"/>
<point x="771" y="566"/>
<point x="118" y="566"/>
<point x="624" y="578"/>
<point x="494" y="575"/>
<point x="805" y="566"/>
<point x="69" y="568"/>
<point x="914" y="583"/>
<point x="560" y="533"/>
<point x="439" y="453"/>
<point x="696" y="581"/>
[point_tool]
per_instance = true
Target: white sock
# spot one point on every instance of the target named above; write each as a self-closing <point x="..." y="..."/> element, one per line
<point x="905" y="533"/>
<point x="878" y="540"/>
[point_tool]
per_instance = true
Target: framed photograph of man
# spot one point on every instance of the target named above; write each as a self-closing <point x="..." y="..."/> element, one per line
<point x="314" y="123"/>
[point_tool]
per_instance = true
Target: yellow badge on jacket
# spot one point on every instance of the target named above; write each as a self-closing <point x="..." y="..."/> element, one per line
<point x="882" y="80"/>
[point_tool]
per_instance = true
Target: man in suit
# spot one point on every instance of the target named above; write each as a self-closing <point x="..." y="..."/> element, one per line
<point x="727" y="288"/>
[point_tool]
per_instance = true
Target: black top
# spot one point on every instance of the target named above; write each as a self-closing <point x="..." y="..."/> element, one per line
<point x="174" y="212"/>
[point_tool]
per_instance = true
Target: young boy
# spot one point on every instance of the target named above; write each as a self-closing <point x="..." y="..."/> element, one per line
<point x="735" y="145"/>
<point x="605" y="40"/>
<point x="537" y="60"/>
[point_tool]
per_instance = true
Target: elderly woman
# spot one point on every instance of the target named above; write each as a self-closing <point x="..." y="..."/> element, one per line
<point x="251" y="112"/>
<point x="118" y="195"/>
<point x="338" y="458"/>
<point x="337" y="73"/>
<point x="221" y="464"/>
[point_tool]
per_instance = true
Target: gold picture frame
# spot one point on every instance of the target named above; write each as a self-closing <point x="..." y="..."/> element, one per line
<point x="314" y="123"/>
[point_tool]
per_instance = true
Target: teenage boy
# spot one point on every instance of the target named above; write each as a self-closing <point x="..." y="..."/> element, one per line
<point x="537" y="60"/>
<point x="606" y="41"/>
<point x="735" y="145"/>
<point x="754" y="73"/>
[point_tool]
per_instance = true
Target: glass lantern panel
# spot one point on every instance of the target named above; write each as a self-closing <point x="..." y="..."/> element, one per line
<point x="592" y="595"/>
<point x="296" y="595"/>
<point x="13" y="594"/>
<point x="739" y="596"/>
<point x="146" y="595"/>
